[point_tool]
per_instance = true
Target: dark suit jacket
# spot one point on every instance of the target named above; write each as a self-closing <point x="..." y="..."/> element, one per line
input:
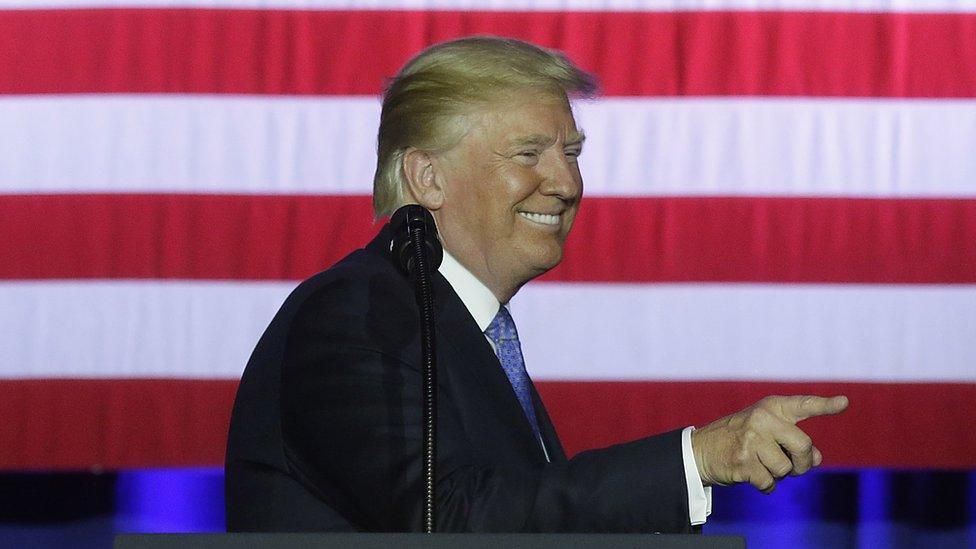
<point x="326" y="429"/>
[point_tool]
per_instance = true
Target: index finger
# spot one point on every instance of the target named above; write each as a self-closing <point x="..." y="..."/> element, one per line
<point x="798" y="408"/>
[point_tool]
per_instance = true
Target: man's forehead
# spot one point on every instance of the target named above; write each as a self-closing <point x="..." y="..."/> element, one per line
<point x="515" y="122"/>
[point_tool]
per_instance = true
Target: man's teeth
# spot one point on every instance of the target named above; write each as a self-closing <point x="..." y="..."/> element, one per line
<point x="545" y="219"/>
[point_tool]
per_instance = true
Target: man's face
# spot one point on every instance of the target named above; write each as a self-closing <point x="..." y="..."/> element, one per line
<point x="511" y="187"/>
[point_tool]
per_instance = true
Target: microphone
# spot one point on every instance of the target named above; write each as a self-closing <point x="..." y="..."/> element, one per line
<point x="406" y="221"/>
<point x="417" y="252"/>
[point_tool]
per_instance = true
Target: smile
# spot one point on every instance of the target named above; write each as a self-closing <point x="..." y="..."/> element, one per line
<point x="544" y="219"/>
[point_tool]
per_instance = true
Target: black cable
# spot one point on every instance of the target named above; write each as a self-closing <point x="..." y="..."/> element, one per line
<point x="417" y="251"/>
<point x="425" y="301"/>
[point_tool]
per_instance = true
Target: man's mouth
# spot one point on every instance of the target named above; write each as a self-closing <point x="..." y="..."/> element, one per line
<point x="541" y="218"/>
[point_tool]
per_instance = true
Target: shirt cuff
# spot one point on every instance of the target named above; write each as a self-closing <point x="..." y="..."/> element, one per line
<point x="699" y="497"/>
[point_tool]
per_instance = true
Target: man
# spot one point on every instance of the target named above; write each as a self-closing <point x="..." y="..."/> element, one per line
<point x="327" y="425"/>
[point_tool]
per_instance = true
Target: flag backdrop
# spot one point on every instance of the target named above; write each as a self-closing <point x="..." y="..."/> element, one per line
<point x="780" y="198"/>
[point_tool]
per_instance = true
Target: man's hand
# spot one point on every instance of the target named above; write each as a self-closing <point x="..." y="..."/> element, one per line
<point x="762" y="443"/>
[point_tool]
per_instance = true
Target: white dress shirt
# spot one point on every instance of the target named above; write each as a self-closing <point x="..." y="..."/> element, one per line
<point x="483" y="306"/>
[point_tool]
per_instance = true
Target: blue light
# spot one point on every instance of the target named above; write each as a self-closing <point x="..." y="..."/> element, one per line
<point x="860" y="508"/>
<point x="170" y="500"/>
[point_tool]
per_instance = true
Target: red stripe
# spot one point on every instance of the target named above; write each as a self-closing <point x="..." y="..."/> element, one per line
<point x="670" y="239"/>
<point x="773" y="240"/>
<point x="352" y="52"/>
<point x="71" y="424"/>
<point x="82" y="424"/>
<point x="178" y="236"/>
<point x="886" y="425"/>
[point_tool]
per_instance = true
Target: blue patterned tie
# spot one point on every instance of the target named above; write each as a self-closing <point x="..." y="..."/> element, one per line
<point x="502" y="331"/>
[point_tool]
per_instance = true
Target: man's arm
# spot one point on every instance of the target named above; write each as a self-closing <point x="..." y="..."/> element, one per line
<point x="351" y="419"/>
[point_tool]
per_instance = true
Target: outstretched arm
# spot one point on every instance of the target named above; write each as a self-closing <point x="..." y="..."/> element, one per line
<point x="351" y="419"/>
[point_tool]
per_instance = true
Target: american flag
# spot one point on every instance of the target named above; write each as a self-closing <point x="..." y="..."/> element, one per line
<point x="780" y="198"/>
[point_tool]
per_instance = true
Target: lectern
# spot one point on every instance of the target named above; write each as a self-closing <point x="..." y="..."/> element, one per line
<point x="425" y="541"/>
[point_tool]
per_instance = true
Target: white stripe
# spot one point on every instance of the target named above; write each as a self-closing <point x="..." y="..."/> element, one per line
<point x="659" y="146"/>
<point x="770" y="146"/>
<point x="521" y="5"/>
<point x="133" y="329"/>
<point x="206" y="144"/>
<point x="744" y="331"/>
<point x="568" y="331"/>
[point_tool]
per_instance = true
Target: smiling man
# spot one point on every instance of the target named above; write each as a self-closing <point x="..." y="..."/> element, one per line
<point x="505" y="196"/>
<point x="326" y="430"/>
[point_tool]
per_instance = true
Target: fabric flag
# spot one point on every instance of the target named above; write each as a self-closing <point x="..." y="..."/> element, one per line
<point x="780" y="198"/>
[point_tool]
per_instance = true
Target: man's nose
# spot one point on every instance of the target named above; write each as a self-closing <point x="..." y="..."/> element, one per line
<point x="561" y="178"/>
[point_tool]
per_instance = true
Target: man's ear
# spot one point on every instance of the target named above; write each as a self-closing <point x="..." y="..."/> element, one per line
<point x="422" y="181"/>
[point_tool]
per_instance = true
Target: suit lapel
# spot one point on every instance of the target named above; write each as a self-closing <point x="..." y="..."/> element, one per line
<point x="547" y="430"/>
<point x="478" y="362"/>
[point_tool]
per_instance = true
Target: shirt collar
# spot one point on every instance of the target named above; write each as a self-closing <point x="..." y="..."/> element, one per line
<point x="477" y="298"/>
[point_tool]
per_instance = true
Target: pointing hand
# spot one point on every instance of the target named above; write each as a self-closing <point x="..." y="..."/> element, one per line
<point x="762" y="443"/>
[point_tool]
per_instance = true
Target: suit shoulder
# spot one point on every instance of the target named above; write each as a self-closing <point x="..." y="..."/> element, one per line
<point x="360" y="286"/>
<point x="341" y="306"/>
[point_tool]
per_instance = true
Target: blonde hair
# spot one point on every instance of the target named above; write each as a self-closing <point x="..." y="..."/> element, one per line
<point x="425" y="100"/>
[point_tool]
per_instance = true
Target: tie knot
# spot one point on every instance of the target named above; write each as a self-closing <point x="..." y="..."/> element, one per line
<point x="502" y="327"/>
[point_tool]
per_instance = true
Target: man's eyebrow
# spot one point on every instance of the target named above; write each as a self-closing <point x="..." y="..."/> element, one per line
<point x="575" y="138"/>
<point x="538" y="139"/>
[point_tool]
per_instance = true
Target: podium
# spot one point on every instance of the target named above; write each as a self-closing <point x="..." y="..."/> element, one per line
<point x="424" y="541"/>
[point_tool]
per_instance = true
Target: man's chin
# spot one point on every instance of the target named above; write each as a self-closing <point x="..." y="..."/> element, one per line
<point x="531" y="266"/>
<point x="545" y="262"/>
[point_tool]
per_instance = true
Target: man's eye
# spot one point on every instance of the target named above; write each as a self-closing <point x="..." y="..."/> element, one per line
<point x="529" y="154"/>
<point x="572" y="153"/>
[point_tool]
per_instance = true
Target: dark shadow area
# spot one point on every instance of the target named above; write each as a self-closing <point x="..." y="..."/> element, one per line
<point x="55" y="510"/>
<point x="857" y="509"/>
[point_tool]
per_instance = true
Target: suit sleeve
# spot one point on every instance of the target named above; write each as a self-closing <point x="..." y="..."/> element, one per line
<point x="351" y="420"/>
